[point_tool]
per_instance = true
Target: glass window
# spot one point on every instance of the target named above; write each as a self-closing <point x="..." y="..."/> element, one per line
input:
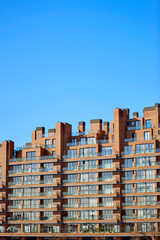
<point x="147" y="135"/>
<point x="107" y="176"/>
<point x="107" y="163"/>
<point x="31" y="155"/>
<point x="72" y="153"/>
<point x="129" y="175"/>
<point x="128" y="188"/>
<point x="47" y="142"/>
<point x="72" y="190"/>
<point x="106" y="151"/>
<point x="72" y="178"/>
<point x="48" y="178"/>
<point x="17" y="169"/>
<point x="53" y="142"/>
<point x="82" y="141"/>
<point x="72" y="166"/>
<point x="107" y="188"/>
<point x="54" y="154"/>
<point x="148" y="123"/>
<point x="128" y="162"/>
<point x="128" y="150"/>
<point x="91" y="140"/>
<point x="107" y="201"/>
<point x="138" y="124"/>
<point x="86" y="152"/>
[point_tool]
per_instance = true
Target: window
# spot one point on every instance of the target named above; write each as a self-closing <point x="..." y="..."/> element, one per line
<point x="86" y="152"/>
<point x="107" y="214"/>
<point x="72" y="178"/>
<point x="88" y="177"/>
<point x="145" y="174"/>
<point x="129" y="213"/>
<point x="35" y="167"/>
<point x="17" y="203"/>
<point x="107" y="163"/>
<point x="87" y="164"/>
<point x="72" y="202"/>
<point x="48" y="178"/>
<point x="88" y="189"/>
<point x="89" y="214"/>
<point x="106" y="151"/>
<point x="30" y="228"/>
<point x="31" y="167"/>
<point x="72" y="228"/>
<point x="147" y="135"/>
<point x="138" y="124"/>
<point x="48" y="166"/>
<point x="72" y="153"/>
<point x="31" y="179"/>
<point x="54" y="154"/>
<point x="107" y="176"/>
<point x="146" y="213"/>
<point x="128" y="188"/>
<point x="107" y="188"/>
<point x="47" y="143"/>
<point x="107" y="201"/>
<point x="88" y="227"/>
<point x="17" y="169"/>
<point x="145" y="200"/>
<point x="30" y="191"/>
<point x="74" y="141"/>
<point x="144" y="161"/>
<point x="17" y="192"/>
<point x="82" y="141"/>
<point x="72" y="215"/>
<point x="48" y="191"/>
<point x="30" y="215"/>
<point x="127" y="150"/>
<point x="144" y="148"/>
<point x="30" y="203"/>
<point x="129" y="175"/>
<point x="128" y="162"/>
<point x="128" y="201"/>
<point x="48" y="215"/>
<point x="88" y="202"/>
<point x="148" y="123"/>
<point x="146" y="227"/>
<point x="31" y="155"/>
<point x="91" y="140"/>
<point x="72" y="166"/>
<point x="17" y="180"/>
<point x="53" y="142"/>
<point x="72" y="190"/>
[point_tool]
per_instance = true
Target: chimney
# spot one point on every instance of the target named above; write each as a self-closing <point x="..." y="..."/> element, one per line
<point x="81" y="127"/>
<point x="96" y="125"/>
<point x="106" y="127"/>
<point x="135" y="114"/>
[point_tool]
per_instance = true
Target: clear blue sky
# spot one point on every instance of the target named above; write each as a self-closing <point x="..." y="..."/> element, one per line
<point x="75" y="60"/>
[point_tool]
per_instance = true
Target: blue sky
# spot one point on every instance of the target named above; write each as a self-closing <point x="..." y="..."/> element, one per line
<point x="70" y="61"/>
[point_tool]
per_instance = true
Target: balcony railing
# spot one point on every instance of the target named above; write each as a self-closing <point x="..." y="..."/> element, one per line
<point x="143" y="151"/>
<point x="32" y="159"/>
<point x="109" y="153"/>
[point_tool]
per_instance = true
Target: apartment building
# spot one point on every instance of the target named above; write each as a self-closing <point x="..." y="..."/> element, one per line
<point x="101" y="184"/>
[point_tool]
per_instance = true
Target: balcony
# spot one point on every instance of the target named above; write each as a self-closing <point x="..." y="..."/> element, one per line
<point x="128" y="217"/>
<point x="109" y="153"/>
<point x="14" y="206"/>
<point x="32" y="159"/>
